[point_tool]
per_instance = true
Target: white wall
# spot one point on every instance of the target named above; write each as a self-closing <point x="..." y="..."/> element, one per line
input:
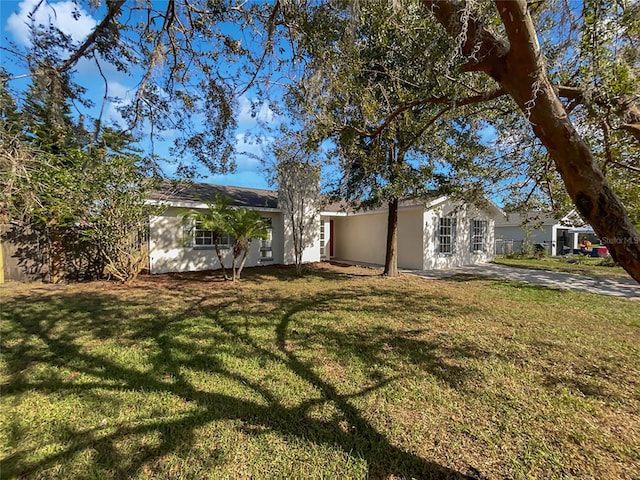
<point x="433" y="260"/>
<point x="545" y="235"/>
<point x="168" y="251"/>
<point x="361" y="237"/>
<point x="536" y="235"/>
<point x="410" y="238"/>
<point x="311" y="253"/>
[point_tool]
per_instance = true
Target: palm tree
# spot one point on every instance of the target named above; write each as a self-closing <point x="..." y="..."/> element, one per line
<point x="216" y="218"/>
<point x="244" y="225"/>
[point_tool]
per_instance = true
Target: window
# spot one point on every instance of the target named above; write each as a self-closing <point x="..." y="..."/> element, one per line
<point x="322" y="239"/>
<point x="447" y="235"/>
<point x="266" y="244"/>
<point x="478" y="236"/>
<point x="203" y="237"/>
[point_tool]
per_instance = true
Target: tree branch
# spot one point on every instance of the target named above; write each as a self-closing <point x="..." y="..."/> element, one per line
<point x="484" y="97"/>
<point x="113" y="8"/>
<point x="628" y="167"/>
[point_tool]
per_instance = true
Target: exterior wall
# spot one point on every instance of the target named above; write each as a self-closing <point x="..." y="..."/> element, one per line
<point x="544" y="235"/>
<point x="170" y="252"/>
<point x="361" y="237"/>
<point x="410" y="239"/>
<point x="463" y="254"/>
<point x="312" y="239"/>
<point x="536" y="235"/>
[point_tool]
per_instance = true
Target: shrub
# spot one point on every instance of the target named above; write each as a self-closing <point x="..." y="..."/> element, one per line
<point x="579" y="259"/>
<point x="607" y="261"/>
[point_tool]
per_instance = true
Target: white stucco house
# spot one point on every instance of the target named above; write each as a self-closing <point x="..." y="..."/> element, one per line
<point x="432" y="234"/>
<point x="555" y="236"/>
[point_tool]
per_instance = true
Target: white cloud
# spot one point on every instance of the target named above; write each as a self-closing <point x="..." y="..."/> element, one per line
<point x="60" y="14"/>
<point x="254" y="148"/>
<point x="247" y="118"/>
<point x="120" y="95"/>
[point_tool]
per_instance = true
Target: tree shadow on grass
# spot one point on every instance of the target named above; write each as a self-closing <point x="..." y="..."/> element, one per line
<point x="54" y="333"/>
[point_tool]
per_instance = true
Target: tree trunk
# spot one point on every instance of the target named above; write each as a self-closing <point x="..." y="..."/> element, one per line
<point x="245" y="253"/>
<point x="391" y="258"/>
<point x="297" y="245"/>
<point x="518" y="67"/>
<point x="219" y="255"/>
<point x="57" y="253"/>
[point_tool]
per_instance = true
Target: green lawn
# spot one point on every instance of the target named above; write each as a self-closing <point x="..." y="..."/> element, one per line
<point x="339" y="374"/>
<point x="580" y="265"/>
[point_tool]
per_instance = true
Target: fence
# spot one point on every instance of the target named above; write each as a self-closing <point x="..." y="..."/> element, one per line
<point x="518" y="247"/>
<point x="27" y="255"/>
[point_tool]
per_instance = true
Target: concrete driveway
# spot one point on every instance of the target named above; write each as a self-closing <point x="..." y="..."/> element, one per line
<point x="619" y="287"/>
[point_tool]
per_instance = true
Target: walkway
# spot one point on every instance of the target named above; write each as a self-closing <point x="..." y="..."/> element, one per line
<point x="619" y="287"/>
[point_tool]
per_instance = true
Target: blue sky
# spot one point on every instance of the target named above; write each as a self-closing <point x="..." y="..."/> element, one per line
<point x="13" y="22"/>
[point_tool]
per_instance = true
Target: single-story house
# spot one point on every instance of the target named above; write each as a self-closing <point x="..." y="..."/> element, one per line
<point x="432" y="234"/>
<point x="516" y="232"/>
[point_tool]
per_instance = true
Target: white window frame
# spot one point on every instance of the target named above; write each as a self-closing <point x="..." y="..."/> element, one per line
<point x="446" y="236"/>
<point x="200" y="236"/>
<point x="322" y="240"/>
<point x="479" y="229"/>
<point x="266" y="244"/>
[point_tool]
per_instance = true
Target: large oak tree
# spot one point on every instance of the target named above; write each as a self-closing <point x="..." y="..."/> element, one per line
<point x="512" y="56"/>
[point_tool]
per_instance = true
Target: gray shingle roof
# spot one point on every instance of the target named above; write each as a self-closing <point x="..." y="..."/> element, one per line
<point x="175" y="191"/>
<point x="352" y="207"/>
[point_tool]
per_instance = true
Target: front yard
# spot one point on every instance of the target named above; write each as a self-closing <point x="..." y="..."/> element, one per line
<point x="339" y="374"/>
<point x="577" y="264"/>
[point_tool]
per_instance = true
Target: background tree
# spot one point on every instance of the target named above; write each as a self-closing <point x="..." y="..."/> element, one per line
<point x="84" y="199"/>
<point x="117" y="215"/>
<point x="297" y="175"/>
<point x="184" y="56"/>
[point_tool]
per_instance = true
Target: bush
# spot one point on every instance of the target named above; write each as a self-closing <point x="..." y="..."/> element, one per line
<point x="126" y="261"/>
<point x="578" y="259"/>
<point x="607" y="261"/>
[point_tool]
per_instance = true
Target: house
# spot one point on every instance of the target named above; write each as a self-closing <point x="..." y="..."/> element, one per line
<point x="518" y="232"/>
<point x="436" y="233"/>
<point x="176" y="246"/>
<point x="433" y="234"/>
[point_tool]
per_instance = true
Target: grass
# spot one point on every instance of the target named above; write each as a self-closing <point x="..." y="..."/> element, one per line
<point x="338" y="374"/>
<point x="580" y="265"/>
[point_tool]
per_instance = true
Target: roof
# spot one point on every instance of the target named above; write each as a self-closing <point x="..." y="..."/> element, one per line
<point x="517" y="219"/>
<point x="173" y="191"/>
<point x="538" y="219"/>
<point x="429" y="201"/>
<point x="343" y="206"/>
